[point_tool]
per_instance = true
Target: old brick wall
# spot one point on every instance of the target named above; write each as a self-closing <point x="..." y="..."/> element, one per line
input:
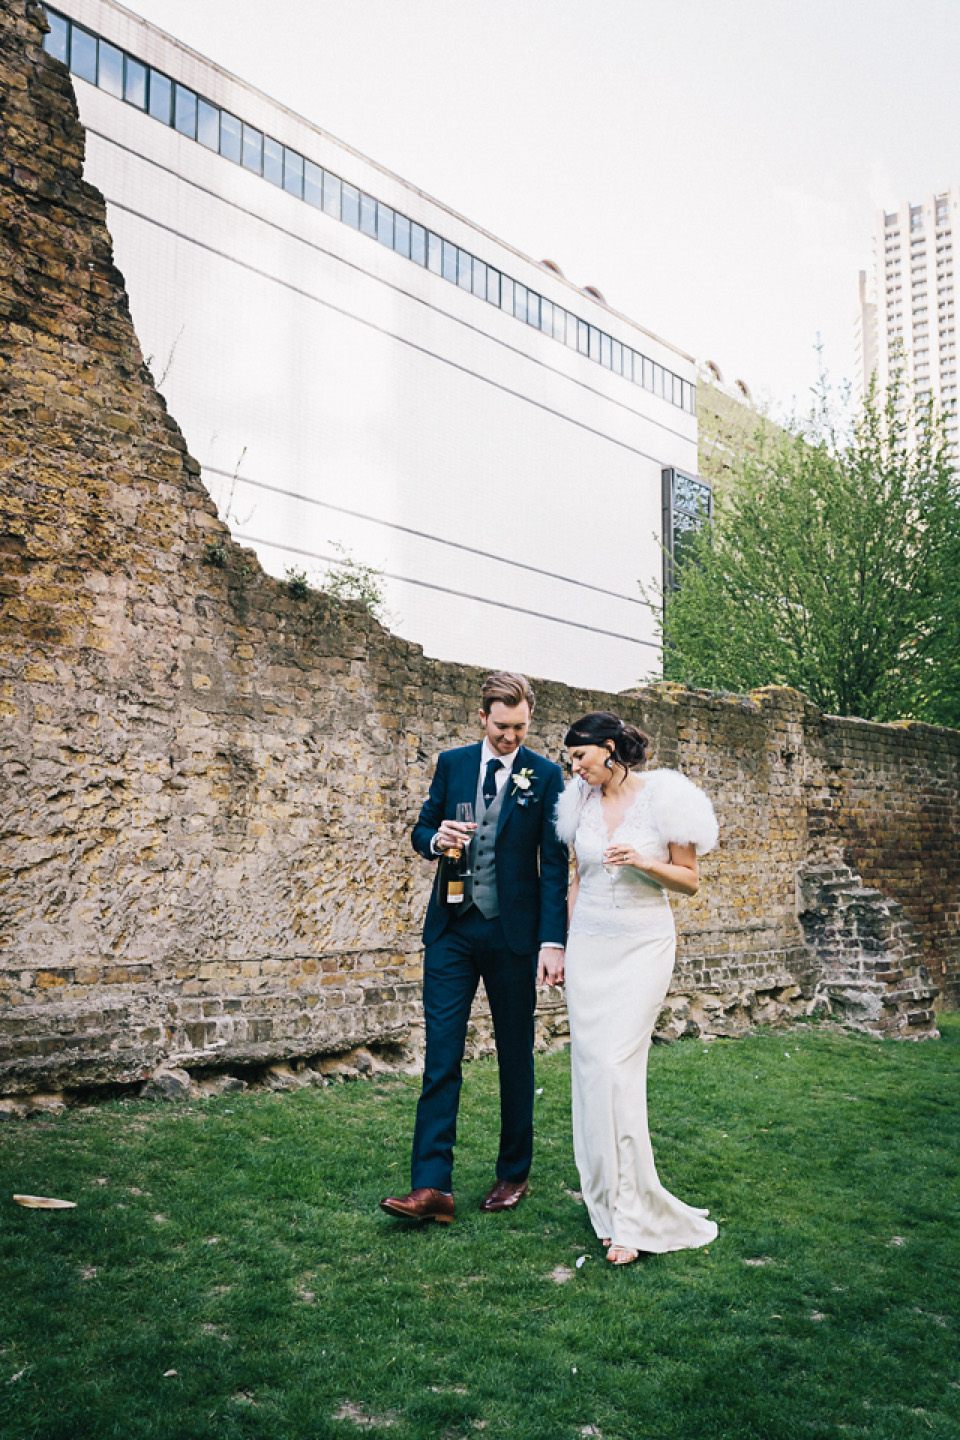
<point x="208" y="783"/>
<point x="884" y="799"/>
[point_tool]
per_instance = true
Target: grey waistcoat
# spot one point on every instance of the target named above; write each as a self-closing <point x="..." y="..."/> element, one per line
<point x="481" y="888"/>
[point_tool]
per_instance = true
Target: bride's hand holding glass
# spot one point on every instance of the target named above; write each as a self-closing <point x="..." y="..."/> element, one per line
<point x="615" y="856"/>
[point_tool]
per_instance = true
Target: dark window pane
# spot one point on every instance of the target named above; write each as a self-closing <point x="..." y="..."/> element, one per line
<point x="493" y="286"/>
<point x="479" y="278"/>
<point x="185" y="111"/>
<point x="272" y="161"/>
<point x="465" y="270"/>
<point x="606" y="351"/>
<point x="401" y="235"/>
<point x="161" y="97"/>
<point x="617" y="357"/>
<point x="594" y="343"/>
<point x="583" y="337"/>
<point x="83" y="54"/>
<point x="231" y="136"/>
<point x="533" y="308"/>
<point x="418" y="244"/>
<point x="449" y="262"/>
<point x="506" y="294"/>
<point x="253" y="148"/>
<point x="434" y="253"/>
<point x="208" y="125"/>
<point x="350" y="205"/>
<point x="332" y="195"/>
<point x="56" y="42"/>
<point x="313" y="184"/>
<point x="135" y="83"/>
<point x="519" y="300"/>
<point x="293" y="173"/>
<point x="385" y="224"/>
<point x="110" y="73"/>
<point x="546" y="316"/>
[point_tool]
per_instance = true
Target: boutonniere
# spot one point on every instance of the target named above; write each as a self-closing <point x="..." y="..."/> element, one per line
<point x="523" y="786"/>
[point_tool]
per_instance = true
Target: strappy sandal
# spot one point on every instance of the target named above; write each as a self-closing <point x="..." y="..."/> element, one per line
<point x="620" y="1255"/>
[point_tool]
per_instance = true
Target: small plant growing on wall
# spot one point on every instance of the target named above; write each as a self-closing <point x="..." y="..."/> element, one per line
<point x="348" y="579"/>
<point x="215" y="554"/>
<point x="297" y="583"/>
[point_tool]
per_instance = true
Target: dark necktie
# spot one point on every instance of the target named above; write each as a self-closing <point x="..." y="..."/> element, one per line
<point x="490" y="781"/>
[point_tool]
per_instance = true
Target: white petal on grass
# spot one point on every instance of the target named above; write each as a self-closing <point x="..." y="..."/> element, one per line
<point x="44" y="1202"/>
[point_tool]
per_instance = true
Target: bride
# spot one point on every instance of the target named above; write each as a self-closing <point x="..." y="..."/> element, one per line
<point x="635" y="837"/>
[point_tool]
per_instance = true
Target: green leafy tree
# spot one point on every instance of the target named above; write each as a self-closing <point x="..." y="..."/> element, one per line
<point x="833" y="565"/>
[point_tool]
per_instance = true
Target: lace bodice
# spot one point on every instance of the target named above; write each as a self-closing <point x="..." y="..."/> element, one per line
<point x="619" y="900"/>
<point x="670" y="809"/>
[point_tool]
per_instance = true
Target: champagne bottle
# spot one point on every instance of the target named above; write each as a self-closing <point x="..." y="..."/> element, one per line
<point x="452" y="886"/>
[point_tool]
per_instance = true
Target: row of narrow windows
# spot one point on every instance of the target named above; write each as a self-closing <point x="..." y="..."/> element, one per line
<point x="95" y="60"/>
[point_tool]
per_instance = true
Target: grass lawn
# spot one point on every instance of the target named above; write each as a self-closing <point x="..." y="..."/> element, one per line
<point x="237" y="1243"/>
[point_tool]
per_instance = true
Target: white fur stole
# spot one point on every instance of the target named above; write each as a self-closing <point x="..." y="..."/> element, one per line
<point x="571" y="802"/>
<point x="683" y="814"/>
<point x="681" y="811"/>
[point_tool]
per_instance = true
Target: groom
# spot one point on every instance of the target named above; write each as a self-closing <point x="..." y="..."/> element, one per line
<point x="509" y="931"/>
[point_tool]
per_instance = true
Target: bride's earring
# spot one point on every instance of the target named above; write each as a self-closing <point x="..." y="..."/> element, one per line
<point x="609" y="762"/>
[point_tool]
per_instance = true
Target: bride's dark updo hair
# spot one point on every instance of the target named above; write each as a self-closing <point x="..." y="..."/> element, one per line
<point x="630" y="745"/>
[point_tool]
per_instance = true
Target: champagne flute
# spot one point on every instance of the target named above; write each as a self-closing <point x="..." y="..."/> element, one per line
<point x="465" y="817"/>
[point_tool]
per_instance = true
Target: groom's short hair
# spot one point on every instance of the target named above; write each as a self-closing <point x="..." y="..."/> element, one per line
<point x="507" y="686"/>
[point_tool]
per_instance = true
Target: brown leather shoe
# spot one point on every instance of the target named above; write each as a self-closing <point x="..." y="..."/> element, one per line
<point x="420" y="1205"/>
<point x="504" y="1196"/>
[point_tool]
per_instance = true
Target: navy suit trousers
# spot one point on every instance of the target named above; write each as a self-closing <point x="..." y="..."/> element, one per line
<point x="470" y="949"/>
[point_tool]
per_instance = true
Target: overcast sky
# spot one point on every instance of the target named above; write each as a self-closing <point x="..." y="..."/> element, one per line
<point x="713" y="166"/>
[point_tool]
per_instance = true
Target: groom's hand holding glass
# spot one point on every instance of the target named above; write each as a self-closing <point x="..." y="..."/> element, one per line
<point x="454" y="834"/>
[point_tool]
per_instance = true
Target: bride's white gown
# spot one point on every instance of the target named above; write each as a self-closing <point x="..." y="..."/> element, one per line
<point x="620" y="956"/>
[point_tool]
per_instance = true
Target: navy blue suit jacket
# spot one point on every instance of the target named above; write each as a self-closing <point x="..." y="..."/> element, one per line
<point x="532" y="864"/>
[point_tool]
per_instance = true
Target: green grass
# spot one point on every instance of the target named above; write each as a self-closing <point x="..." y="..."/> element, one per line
<point x="238" y="1242"/>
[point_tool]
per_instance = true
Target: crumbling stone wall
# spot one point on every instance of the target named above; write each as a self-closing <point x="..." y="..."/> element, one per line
<point x="208" y="783"/>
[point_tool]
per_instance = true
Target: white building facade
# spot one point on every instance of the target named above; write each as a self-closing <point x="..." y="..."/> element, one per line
<point x="907" y="316"/>
<point x="362" y="373"/>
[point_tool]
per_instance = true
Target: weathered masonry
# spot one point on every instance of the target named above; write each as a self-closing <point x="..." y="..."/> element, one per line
<point x="207" y="783"/>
